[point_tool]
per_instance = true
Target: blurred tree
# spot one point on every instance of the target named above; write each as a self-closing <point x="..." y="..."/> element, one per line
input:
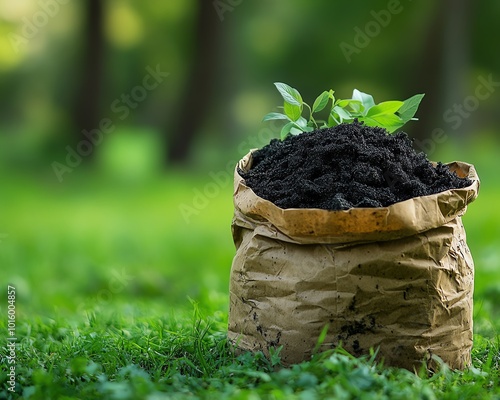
<point x="195" y="101"/>
<point x="86" y="113"/>
<point x="222" y="71"/>
<point x="443" y="74"/>
<point x="456" y="57"/>
<point x="428" y="75"/>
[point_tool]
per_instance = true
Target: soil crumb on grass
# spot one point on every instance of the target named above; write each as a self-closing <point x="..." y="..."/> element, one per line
<point x="350" y="165"/>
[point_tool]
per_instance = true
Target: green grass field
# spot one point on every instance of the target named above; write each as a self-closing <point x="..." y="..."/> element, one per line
<point x="118" y="297"/>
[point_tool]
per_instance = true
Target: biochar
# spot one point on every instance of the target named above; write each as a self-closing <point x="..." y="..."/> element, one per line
<point x="349" y="165"/>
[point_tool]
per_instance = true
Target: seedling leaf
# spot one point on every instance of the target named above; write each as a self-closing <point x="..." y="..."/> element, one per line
<point x="390" y="115"/>
<point x="301" y="123"/>
<point x="295" y="131"/>
<point x="343" y="114"/>
<point x="292" y="111"/>
<point x="274" y="115"/>
<point x="409" y="107"/>
<point x="321" y="102"/>
<point x="386" y="107"/>
<point x="289" y="94"/>
<point x="286" y="130"/>
<point x="391" y="122"/>
<point x="333" y="119"/>
<point x="364" y="98"/>
<point x="356" y="105"/>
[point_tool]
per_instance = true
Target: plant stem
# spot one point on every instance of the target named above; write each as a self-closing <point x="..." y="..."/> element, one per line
<point x="311" y="118"/>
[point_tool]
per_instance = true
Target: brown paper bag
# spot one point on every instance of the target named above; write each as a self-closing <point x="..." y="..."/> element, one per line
<point x="398" y="278"/>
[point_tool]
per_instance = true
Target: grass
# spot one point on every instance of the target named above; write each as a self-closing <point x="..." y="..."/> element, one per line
<point x="136" y="357"/>
<point x="118" y="297"/>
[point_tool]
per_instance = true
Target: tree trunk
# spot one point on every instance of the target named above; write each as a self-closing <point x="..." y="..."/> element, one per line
<point x="87" y="111"/>
<point x="440" y="69"/>
<point x="456" y="57"/>
<point x="195" y="99"/>
<point x="428" y="73"/>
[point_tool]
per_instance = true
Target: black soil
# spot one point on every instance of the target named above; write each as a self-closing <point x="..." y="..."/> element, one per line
<point x="350" y="165"/>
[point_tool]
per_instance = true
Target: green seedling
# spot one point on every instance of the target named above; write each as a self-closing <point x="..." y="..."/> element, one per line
<point x="390" y="115"/>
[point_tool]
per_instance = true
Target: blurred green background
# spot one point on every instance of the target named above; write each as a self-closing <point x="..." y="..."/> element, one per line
<point x="173" y="94"/>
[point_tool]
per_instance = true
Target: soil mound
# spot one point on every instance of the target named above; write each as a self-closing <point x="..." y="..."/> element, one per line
<point x="350" y="165"/>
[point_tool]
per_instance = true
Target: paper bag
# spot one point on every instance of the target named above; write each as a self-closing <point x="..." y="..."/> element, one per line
<point x="398" y="278"/>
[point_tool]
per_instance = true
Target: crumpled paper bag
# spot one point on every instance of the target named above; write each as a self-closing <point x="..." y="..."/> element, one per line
<point x="398" y="278"/>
